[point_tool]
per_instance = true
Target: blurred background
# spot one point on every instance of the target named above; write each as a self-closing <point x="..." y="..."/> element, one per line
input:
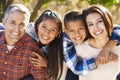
<point x="62" y="6"/>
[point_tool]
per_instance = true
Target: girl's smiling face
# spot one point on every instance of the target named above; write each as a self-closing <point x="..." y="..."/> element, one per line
<point x="47" y="31"/>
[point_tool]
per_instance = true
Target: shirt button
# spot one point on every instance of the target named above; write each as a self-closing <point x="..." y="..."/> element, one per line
<point x="4" y="72"/>
<point x="6" y="51"/>
<point x="5" y="62"/>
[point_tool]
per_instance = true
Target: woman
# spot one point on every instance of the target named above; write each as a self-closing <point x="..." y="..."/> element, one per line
<point x="48" y="28"/>
<point x="100" y="26"/>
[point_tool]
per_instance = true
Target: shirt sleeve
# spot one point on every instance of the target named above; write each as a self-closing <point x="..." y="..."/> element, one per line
<point x="40" y="73"/>
<point x="75" y="64"/>
<point x="116" y="34"/>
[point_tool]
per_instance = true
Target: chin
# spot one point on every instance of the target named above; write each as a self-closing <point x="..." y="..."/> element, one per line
<point x="44" y="43"/>
<point x="79" y="43"/>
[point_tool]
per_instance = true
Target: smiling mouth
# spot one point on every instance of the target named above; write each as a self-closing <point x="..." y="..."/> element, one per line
<point x="15" y="33"/>
<point x="45" y="38"/>
<point x="99" y="32"/>
<point x="78" y="38"/>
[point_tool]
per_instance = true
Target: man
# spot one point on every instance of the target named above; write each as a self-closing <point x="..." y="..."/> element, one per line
<point x="16" y="46"/>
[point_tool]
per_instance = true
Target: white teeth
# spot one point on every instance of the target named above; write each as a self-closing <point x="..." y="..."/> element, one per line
<point x="44" y="37"/>
<point x="14" y="33"/>
<point x="78" y="38"/>
<point x="99" y="32"/>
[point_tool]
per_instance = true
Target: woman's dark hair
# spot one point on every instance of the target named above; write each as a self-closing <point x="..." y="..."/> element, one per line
<point x="55" y="48"/>
<point x="74" y="16"/>
<point x="105" y="14"/>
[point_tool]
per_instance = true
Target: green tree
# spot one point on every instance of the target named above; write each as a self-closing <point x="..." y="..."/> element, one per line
<point x="3" y="5"/>
<point x="39" y="4"/>
<point x="113" y="5"/>
<point x="104" y="2"/>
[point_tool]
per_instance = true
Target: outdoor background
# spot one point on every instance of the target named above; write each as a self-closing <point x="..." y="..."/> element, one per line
<point x="62" y="6"/>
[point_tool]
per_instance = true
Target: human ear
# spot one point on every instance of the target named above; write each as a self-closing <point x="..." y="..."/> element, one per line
<point x="58" y="34"/>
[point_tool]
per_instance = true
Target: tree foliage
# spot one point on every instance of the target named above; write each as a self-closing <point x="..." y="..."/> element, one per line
<point x="37" y="5"/>
<point x="104" y="2"/>
<point x="3" y="5"/>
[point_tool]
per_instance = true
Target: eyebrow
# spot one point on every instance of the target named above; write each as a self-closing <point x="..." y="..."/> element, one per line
<point x="48" y="26"/>
<point x="97" y="19"/>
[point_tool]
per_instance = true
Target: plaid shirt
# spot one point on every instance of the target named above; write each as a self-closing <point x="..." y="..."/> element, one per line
<point x="116" y="34"/>
<point x="77" y="65"/>
<point x="15" y="64"/>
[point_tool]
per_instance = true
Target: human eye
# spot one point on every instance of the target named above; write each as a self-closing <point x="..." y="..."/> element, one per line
<point x="81" y="29"/>
<point x="12" y="22"/>
<point x="71" y="31"/>
<point x="89" y="24"/>
<point x="43" y="26"/>
<point x="53" y="30"/>
<point x="22" y="24"/>
<point x="100" y="20"/>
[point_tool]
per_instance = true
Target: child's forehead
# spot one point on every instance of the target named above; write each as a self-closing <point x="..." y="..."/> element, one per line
<point x="74" y="23"/>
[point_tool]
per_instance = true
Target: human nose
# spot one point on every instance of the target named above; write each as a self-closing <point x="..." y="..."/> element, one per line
<point x="77" y="33"/>
<point x="17" y="28"/>
<point x="47" y="32"/>
<point x="96" y="27"/>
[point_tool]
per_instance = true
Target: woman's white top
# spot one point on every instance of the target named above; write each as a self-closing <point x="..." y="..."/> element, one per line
<point x="102" y="72"/>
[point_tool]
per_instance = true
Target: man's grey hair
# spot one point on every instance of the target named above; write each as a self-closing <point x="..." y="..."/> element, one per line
<point x="17" y="7"/>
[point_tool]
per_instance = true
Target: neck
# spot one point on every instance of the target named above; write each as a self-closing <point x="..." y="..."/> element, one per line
<point x="98" y="43"/>
<point x="11" y="43"/>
